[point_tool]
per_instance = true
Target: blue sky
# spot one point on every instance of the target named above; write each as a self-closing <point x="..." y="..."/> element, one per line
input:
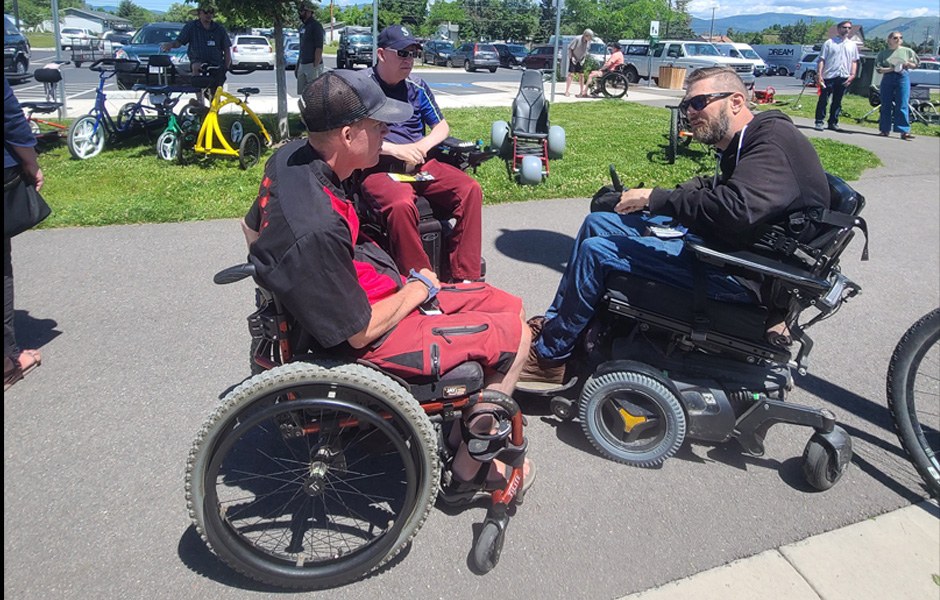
<point x="857" y="9"/>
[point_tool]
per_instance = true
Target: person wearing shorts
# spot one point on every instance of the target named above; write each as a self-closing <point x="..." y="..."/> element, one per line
<point x="577" y="50"/>
<point x="341" y="287"/>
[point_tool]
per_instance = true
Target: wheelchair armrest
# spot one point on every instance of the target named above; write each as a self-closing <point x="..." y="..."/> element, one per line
<point x="457" y="144"/>
<point x="233" y="274"/>
<point x="757" y="264"/>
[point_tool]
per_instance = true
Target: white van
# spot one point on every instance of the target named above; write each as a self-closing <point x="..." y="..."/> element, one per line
<point x="743" y="52"/>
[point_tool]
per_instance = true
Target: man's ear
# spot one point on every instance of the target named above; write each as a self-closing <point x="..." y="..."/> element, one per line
<point x="346" y="135"/>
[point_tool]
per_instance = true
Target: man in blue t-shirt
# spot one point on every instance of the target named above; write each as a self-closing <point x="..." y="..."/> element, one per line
<point x="208" y="41"/>
<point x="405" y="150"/>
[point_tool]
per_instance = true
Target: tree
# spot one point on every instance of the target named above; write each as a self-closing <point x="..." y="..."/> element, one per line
<point x="245" y="12"/>
<point x="756" y="39"/>
<point x="178" y="13"/>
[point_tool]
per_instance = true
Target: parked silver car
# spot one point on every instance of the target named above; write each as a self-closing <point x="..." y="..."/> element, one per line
<point x="476" y="56"/>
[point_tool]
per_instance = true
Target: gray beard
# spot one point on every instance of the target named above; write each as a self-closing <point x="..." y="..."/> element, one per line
<point x="713" y="132"/>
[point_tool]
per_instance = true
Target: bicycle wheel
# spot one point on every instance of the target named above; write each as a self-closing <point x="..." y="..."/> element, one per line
<point x="249" y="151"/>
<point x="168" y="144"/>
<point x="311" y="475"/>
<point x="128" y="114"/>
<point x="614" y="85"/>
<point x="913" y="389"/>
<point x="84" y="139"/>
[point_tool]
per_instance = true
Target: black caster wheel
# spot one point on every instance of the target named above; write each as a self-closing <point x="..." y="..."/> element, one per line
<point x="823" y="466"/>
<point x="562" y="408"/>
<point x="488" y="546"/>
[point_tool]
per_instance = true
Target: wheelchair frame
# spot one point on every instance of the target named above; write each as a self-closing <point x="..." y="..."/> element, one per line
<point x="655" y="366"/>
<point x="289" y="482"/>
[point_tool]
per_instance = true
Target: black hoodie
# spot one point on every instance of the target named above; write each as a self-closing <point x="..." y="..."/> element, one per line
<point x="776" y="172"/>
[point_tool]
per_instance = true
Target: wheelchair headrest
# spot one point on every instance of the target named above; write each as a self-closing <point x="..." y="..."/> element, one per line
<point x="47" y="75"/>
<point x="843" y="198"/>
<point x="531" y="78"/>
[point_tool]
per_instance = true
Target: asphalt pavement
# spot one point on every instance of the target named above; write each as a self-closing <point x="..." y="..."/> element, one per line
<point x="138" y="345"/>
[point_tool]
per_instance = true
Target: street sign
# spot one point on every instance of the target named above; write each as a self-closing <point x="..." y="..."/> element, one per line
<point x="654" y="29"/>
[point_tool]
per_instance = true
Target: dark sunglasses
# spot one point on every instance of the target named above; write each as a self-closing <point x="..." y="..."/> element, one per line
<point x="896" y="37"/>
<point x="408" y="53"/>
<point x="701" y="101"/>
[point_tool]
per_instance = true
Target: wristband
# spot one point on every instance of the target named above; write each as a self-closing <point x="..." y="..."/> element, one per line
<point x="415" y="276"/>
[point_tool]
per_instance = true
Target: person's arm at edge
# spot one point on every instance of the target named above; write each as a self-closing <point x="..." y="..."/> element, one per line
<point x="30" y="164"/>
<point x="390" y="311"/>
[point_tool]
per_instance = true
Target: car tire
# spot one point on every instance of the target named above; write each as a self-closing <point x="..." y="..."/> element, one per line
<point x="22" y="66"/>
<point x="492" y="69"/>
<point x="783" y="72"/>
<point x="449" y="64"/>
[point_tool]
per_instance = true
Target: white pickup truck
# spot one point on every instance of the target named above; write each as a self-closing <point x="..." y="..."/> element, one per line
<point x="687" y="54"/>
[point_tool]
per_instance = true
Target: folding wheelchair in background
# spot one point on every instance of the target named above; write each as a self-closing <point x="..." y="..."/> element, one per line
<point x="658" y="364"/>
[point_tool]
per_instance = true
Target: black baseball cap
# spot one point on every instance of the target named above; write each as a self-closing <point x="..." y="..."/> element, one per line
<point x="342" y="97"/>
<point x="397" y="37"/>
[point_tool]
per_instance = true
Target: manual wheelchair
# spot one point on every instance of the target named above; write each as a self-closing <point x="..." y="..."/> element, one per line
<point x="318" y="470"/>
<point x="658" y="364"/>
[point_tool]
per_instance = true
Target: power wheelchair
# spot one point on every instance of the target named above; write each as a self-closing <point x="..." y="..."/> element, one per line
<point x="434" y="228"/>
<point x="657" y="364"/>
<point x="318" y="470"/>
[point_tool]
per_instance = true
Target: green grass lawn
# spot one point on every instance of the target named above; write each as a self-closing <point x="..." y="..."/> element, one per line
<point x="41" y="40"/>
<point x="853" y="109"/>
<point x="129" y="184"/>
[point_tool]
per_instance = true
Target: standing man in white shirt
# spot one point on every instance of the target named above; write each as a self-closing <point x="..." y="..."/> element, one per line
<point x="838" y="62"/>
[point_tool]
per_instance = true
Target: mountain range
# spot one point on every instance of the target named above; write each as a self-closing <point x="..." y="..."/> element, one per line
<point x="914" y="28"/>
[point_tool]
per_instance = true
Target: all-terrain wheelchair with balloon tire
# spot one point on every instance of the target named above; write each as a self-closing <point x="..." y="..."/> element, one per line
<point x="529" y="140"/>
<point x="318" y="469"/>
<point x="658" y="364"/>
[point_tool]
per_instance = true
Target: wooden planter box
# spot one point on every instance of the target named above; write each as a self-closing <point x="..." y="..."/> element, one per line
<point x="671" y="78"/>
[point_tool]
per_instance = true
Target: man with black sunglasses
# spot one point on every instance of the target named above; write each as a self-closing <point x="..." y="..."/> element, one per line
<point x="836" y="69"/>
<point x="766" y="169"/>
<point x="406" y="148"/>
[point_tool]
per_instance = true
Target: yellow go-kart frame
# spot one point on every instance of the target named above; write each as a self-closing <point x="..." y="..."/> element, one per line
<point x="212" y="141"/>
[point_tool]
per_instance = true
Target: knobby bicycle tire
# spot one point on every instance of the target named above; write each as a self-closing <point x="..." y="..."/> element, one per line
<point x="912" y="392"/>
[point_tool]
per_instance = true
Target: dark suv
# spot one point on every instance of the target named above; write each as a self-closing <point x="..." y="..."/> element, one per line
<point x="437" y="52"/>
<point x="15" y="50"/>
<point x="145" y="43"/>
<point x="355" y="47"/>
<point x="511" y="55"/>
<point x="476" y="56"/>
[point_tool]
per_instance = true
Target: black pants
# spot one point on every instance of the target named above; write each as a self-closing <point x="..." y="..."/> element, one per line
<point x="836" y="88"/>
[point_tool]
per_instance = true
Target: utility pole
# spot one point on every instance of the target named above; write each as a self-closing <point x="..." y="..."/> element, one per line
<point x="711" y="30"/>
<point x="331" y="20"/>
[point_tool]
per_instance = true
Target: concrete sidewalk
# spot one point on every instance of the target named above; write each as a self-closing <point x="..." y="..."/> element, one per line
<point x="896" y="555"/>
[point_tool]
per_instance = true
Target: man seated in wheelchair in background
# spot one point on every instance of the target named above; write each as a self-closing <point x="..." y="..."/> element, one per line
<point x="345" y="291"/>
<point x="766" y="169"/>
<point x="406" y="149"/>
<point x="613" y="62"/>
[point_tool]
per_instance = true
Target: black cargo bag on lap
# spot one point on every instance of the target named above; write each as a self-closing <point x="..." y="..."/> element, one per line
<point x="23" y="207"/>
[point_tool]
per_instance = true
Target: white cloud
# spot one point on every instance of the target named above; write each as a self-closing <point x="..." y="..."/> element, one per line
<point x="865" y="9"/>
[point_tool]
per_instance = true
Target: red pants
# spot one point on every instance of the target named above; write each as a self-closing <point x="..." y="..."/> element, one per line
<point x="452" y="193"/>
<point x="479" y="323"/>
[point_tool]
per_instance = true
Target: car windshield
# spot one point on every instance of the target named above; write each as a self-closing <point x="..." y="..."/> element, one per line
<point x="598" y="48"/>
<point x="485" y="48"/>
<point x="293" y="46"/>
<point x="701" y="50"/>
<point x="748" y="53"/>
<point x="444" y="46"/>
<point x="360" y="39"/>
<point x="254" y="41"/>
<point x="155" y="35"/>
<point x="517" y="49"/>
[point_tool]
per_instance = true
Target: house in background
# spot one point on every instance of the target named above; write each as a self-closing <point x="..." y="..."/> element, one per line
<point x="94" y="20"/>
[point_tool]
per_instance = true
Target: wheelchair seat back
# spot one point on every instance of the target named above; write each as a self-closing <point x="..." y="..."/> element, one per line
<point x="529" y="108"/>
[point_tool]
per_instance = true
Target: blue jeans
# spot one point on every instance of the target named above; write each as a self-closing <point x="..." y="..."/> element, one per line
<point x="895" y="95"/>
<point x="610" y="242"/>
<point x="836" y="88"/>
